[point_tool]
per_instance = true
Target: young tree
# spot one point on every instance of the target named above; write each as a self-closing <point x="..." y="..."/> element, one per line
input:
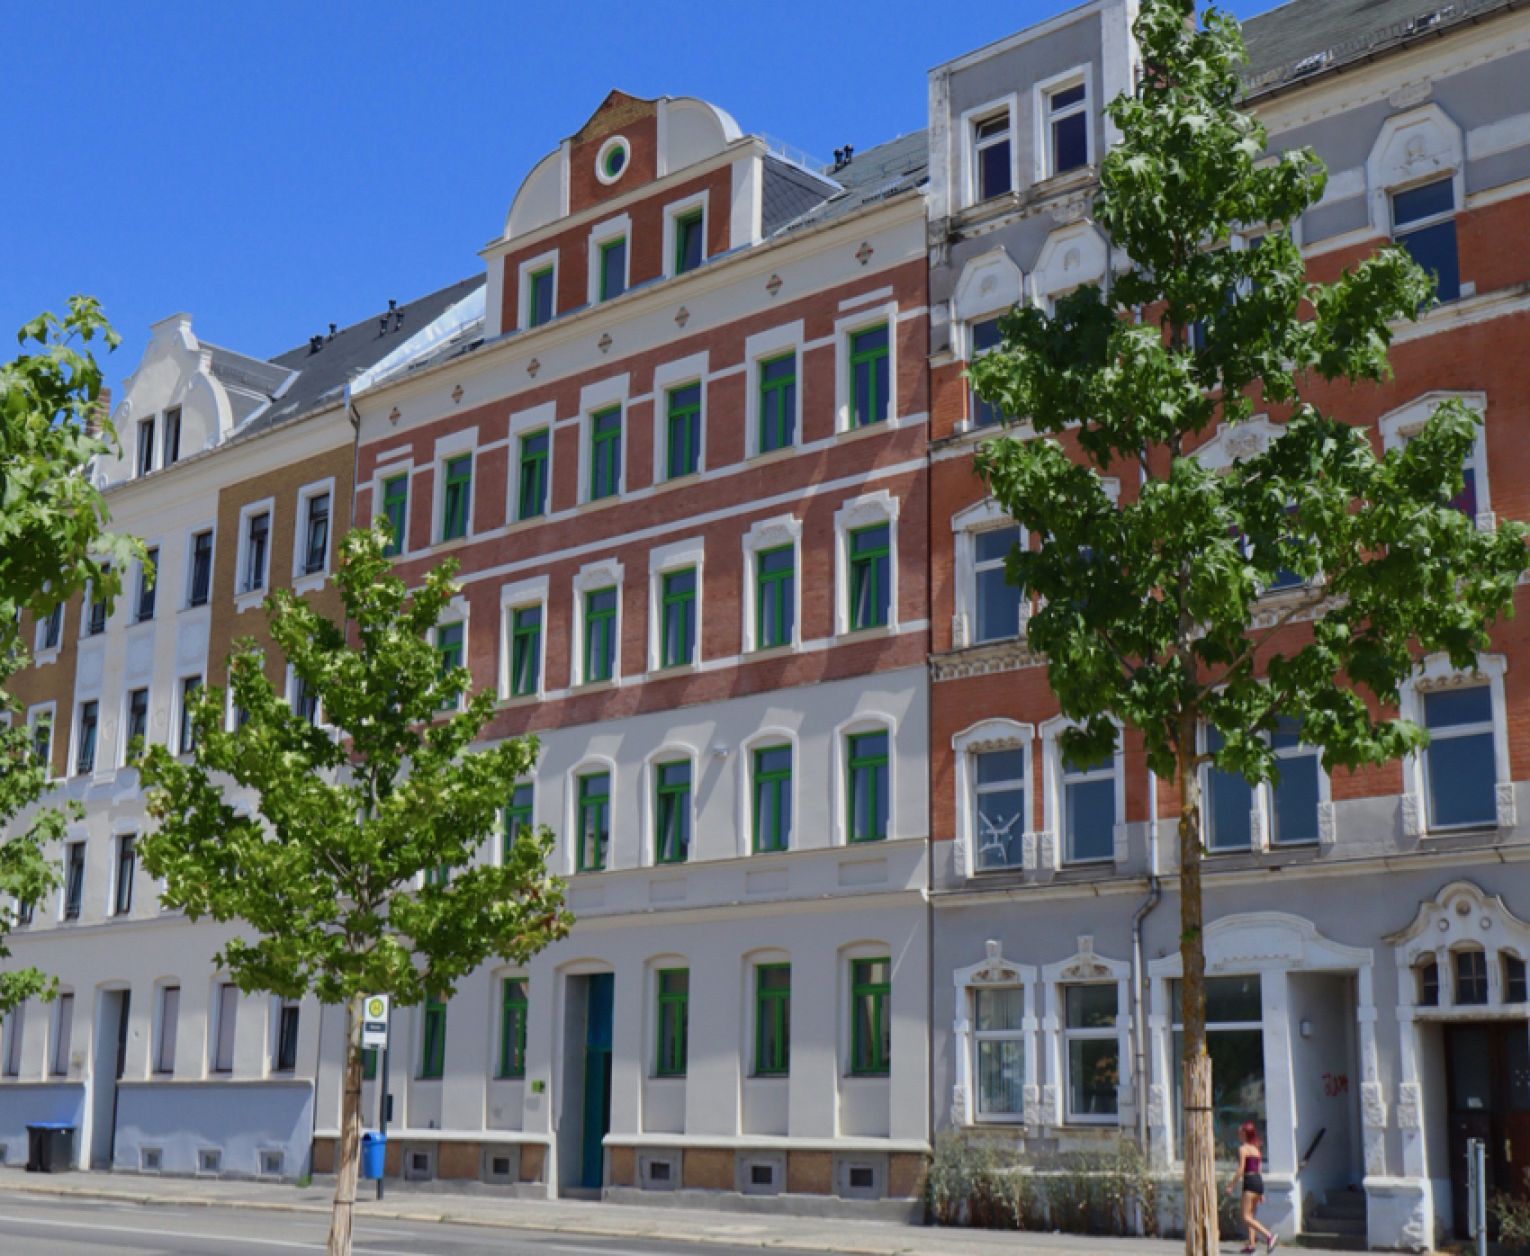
<point x="53" y="542"/>
<point x="1154" y="612"/>
<point x="359" y="871"/>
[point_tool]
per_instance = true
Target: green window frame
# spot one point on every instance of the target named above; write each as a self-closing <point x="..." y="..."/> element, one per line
<point x="449" y="639"/>
<point x="433" y="1040"/>
<point x="682" y="444"/>
<point x="775" y="596"/>
<point x="778" y="401"/>
<point x="677" y="617"/>
<point x="457" y="499"/>
<point x="690" y="240"/>
<point x="672" y="811"/>
<point x="772" y="1020"/>
<point x="867" y="792"/>
<point x="395" y="509"/>
<point x="870" y="576"/>
<point x="870" y="381"/>
<point x="674" y="1011"/>
<point x="513" y="1006"/>
<point x="539" y="296"/>
<point x="772" y="798"/>
<point x="605" y="453"/>
<point x="599" y="634"/>
<point x="525" y="650"/>
<point x="870" y="1017"/>
<point x="613" y="267"/>
<point x="594" y="821"/>
<point x="518" y="814"/>
<point x="531" y="497"/>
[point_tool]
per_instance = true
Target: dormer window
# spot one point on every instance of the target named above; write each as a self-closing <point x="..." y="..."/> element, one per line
<point x="991" y="147"/>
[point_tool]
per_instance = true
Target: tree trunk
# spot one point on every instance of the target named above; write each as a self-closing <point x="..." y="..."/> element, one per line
<point x="348" y="1154"/>
<point x="1201" y="1225"/>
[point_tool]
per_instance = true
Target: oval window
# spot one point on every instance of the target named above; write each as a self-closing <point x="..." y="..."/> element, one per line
<point x="611" y="161"/>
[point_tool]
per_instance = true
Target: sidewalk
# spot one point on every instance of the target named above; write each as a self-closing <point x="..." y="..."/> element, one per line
<point x="681" y="1225"/>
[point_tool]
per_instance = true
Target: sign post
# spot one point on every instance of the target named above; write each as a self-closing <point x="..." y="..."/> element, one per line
<point x="376" y="1019"/>
<point x="1476" y="1192"/>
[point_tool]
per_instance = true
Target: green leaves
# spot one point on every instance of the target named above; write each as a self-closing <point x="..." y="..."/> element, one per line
<point x="333" y="868"/>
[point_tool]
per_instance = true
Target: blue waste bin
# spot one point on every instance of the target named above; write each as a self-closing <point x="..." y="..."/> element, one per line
<point x="372" y="1148"/>
<point x="50" y="1147"/>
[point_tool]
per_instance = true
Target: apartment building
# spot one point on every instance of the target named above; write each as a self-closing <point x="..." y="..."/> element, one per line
<point x="1366" y="933"/>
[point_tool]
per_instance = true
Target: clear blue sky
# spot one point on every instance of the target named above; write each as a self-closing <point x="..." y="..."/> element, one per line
<point x="269" y="167"/>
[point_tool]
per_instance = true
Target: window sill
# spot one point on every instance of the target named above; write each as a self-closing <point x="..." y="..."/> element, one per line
<point x="43" y="657"/>
<point x="249" y="599"/>
<point x="848" y="435"/>
<point x="595" y="686"/>
<point x="513" y="700"/>
<point x="785" y="650"/>
<point x="870" y="633"/>
<point x="674" y="669"/>
<point x="197" y="606"/>
<point x="309" y="582"/>
<point x="765" y="457"/>
<point x="1057" y="184"/>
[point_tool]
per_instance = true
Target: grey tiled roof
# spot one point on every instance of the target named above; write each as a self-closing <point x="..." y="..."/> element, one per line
<point x="788" y="192"/>
<point x="874" y="175"/>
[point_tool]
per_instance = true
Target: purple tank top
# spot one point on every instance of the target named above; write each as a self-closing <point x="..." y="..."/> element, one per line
<point x="1251" y="1165"/>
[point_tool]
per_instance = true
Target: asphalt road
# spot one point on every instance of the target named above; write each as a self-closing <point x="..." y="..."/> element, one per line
<point x="72" y="1227"/>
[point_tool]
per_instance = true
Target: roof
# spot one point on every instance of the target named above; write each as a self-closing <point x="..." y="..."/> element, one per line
<point x="877" y="174"/>
<point x="1304" y="37"/>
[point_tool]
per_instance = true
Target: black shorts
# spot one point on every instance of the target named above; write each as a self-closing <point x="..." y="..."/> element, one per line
<point x="1253" y="1184"/>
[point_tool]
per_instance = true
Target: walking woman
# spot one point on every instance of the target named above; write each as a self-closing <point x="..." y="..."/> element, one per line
<point x="1249" y="1162"/>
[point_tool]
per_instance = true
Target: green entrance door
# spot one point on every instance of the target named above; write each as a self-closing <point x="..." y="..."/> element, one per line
<point x="597" y="1078"/>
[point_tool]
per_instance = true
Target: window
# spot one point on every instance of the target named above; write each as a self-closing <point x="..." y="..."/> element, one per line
<point x="1235" y="1042"/>
<point x="778" y="402"/>
<point x="605" y="453"/>
<point x="672" y="811"/>
<point x="433" y="1040"/>
<point x="998" y="807"/>
<point x="599" y="634"/>
<point x="148" y="578"/>
<point x="95" y="619"/>
<point x="169" y="1022"/>
<point x="772" y="1020"/>
<point x="998" y="1016"/>
<point x="1067" y="113"/>
<point x="1428" y="971"/>
<point x="449" y="638"/>
<point x="1514" y="985"/>
<point x="1295" y="797"/>
<point x="540" y="297"/>
<point x="531" y="498"/>
<point x="201" y="568"/>
<point x="315" y="534"/>
<point x="525" y="651"/>
<point x="127" y="866"/>
<point x="1460" y="772"/>
<point x="870" y="576"/>
<point x="187" y="741"/>
<point x="51" y="628"/>
<point x="285" y="1060"/>
<point x="613" y="267"/>
<point x="85" y="746"/>
<point x="1093" y="1050"/>
<point x="1423" y="222"/>
<point x="1227" y="810"/>
<point x="137" y="724"/>
<point x="74" y="879"/>
<point x="996" y="601"/>
<point x="772" y="798"/>
<point x="775" y="600"/>
<point x="992" y="175"/>
<point x="305" y="700"/>
<point x="512" y="1028"/>
<point x="145" y="446"/>
<point x="226" y="1027"/>
<point x="172" y="437"/>
<point x="42" y="739"/>
<point x="15" y="1023"/>
<point x="677" y="619"/>
<point x="870" y="385"/>
<point x="690" y="240"/>
<point x="868" y="795"/>
<point x="594" y="821"/>
<point x="984" y="335"/>
<point x="518" y="813"/>
<point x="1088" y="810"/>
<point x="682" y="446"/>
<point x="674" y="996"/>
<point x="257" y="538"/>
<point x="870" y="1017"/>
<point x="457" y="496"/>
<point x="63" y="1020"/>
<point x="395" y="509"/>
<point x="1471" y="978"/>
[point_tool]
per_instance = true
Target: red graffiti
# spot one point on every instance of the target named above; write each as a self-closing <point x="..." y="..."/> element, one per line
<point x="1335" y="1084"/>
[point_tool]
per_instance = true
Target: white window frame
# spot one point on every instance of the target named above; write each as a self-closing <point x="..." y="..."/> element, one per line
<point x="593" y="398"/>
<point x="148" y="431"/>
<point x="984" y="516"/>
<point x="15" y="1039"/>
<point x="844" y="329"/>
<point x="672" y="215"/>
<point x="303" y="581"/>
<point x="457" y="611"/>
<point x="114" y="875"/>
<point x="514" y="597"/>
<point x="77" y="735"/>
<point x="1436" y="673"/>
<point x="35" y="712"/>
<point x="523" y="286"/>
<point x="769" y="534"/>
<point x="127" y="719"/>
<point x="1400" y="425"/>
<point x="993" y="972"/>
<point x="1262" y="803"/>
<point x="592" y="576"/>
<point x="667" y="376"/>
<point x="980" y="738"/>
<point x="222" y="1012"/>
<point x="970" y="120"/>
<point x="166" y="1028"/>
<point x="664" y="560"/>
<point x="1086" y="968"/>
<point x="178" y="714"/>
<point x="774" y="342"/>
<point x="448" y="448"/>
<point x="154" y="546"/>
<point x="648" y="849"/>
<point x="1046" y="156"/>
<point x="210" y="527"/>
<point x="858" y="724"/>
<point x="589" y="765"/>
<point x="274" y="1036"/>
<point x="247" y="597"/>
<point x="525" y="423"/>
<point x="41" y="655"/>
<point x="868" y="510"/>
<point x="1054" y="793"/>
<point x="61" y="1035"/>
<point x="165" y="429"/>
<point x="603" y="233"/>
<point x="772" y="735"/>
<point x="291" y="693"/>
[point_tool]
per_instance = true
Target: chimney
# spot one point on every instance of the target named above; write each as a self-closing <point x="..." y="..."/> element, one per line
<point x="315" y="343"/>
<point x="332" y="329"/>
<point x="96" y="415"/>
